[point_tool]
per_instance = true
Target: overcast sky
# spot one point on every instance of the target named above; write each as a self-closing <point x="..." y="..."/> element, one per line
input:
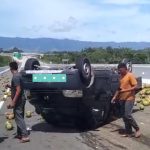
<point x="86" y="20"/>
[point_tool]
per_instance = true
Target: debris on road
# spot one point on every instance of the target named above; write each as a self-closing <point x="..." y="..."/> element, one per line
<point x="143" y="98"/>
<point x="8" y="125"/>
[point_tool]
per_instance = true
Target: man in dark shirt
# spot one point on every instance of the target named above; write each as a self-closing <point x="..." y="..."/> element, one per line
<point x="18" y="103"/>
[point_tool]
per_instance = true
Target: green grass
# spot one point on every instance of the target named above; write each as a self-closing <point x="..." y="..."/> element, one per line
<point x="4" y="60"/>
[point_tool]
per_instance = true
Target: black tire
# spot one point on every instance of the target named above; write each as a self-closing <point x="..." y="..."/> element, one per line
<point x="31" y="64"/>
<point x="128" y="63"/>
<point x="84" y="67"/>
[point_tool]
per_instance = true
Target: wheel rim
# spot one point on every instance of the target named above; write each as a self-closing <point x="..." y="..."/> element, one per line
<point x="34" y="66"/>
<point x="129" y="66"/>
<point x="86" y="69"/>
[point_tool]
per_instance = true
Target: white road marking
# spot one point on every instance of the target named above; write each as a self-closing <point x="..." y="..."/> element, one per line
<point x="1" y="104"/>
<point x="4" y="71"/>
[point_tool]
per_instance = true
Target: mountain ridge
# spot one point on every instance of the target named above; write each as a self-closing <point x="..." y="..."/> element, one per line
<point x="52" y="44"/>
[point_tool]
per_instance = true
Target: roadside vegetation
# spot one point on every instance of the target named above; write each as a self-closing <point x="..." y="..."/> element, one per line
<point x="100" y="55"/>
<point x="4" y="60"/>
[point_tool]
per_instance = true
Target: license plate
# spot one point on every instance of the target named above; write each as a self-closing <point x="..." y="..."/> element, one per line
<point x="48" y="77"/>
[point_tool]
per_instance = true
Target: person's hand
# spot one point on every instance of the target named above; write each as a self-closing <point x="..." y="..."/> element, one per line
<point x="11" y="105"/>
<point x="113" y="100"/>
<point x="123" y="90"/>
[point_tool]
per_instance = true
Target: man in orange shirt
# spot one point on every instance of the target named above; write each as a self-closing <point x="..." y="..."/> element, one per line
<point x="126" y="97"/>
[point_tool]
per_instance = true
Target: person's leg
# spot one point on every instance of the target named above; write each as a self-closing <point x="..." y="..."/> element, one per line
<point x="128" y="126"/>
<point x="18" y="133"/>
<point x="129" y="119"/>
<point x="127" y="115"/>
<point x="19" y="110"/>
<point x="121" y="108"/>
<point x="118" y="109"/>
<point x="122" y="113"/>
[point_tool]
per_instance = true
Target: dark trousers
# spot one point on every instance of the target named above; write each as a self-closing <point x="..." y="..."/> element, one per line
<point x="19" y="117"/>
<point x="126" y="108"/>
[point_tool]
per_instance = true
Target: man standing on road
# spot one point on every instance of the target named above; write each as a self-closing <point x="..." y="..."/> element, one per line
<point x="125" y="95"/>
<point x="18" y="103"/>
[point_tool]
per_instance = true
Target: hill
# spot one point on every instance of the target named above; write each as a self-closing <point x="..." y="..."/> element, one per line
<point x="50" y="44"/>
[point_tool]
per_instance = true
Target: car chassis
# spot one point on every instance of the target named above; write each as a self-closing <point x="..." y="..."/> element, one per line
<point x="78" y="93"/>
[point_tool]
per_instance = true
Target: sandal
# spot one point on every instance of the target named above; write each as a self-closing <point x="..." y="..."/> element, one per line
<point x="25" y="139"/>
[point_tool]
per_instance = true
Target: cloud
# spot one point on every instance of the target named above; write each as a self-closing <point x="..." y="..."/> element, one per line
<point x="34" y="28"/>
<point x="112" y="32"/>
<point x="64" y="26"/>
<point x="92" y="20"/>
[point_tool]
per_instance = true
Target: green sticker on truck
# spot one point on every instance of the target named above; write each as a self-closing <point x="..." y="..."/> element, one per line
<point x="49" y="77"/>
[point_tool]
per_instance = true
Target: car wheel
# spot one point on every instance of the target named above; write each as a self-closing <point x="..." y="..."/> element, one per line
<point x="128" y="63"/>
<point x="31" y="64"/>
<point x="84" y="67"/>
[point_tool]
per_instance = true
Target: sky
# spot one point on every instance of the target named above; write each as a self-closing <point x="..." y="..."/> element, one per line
<point x="85" y="20"/>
